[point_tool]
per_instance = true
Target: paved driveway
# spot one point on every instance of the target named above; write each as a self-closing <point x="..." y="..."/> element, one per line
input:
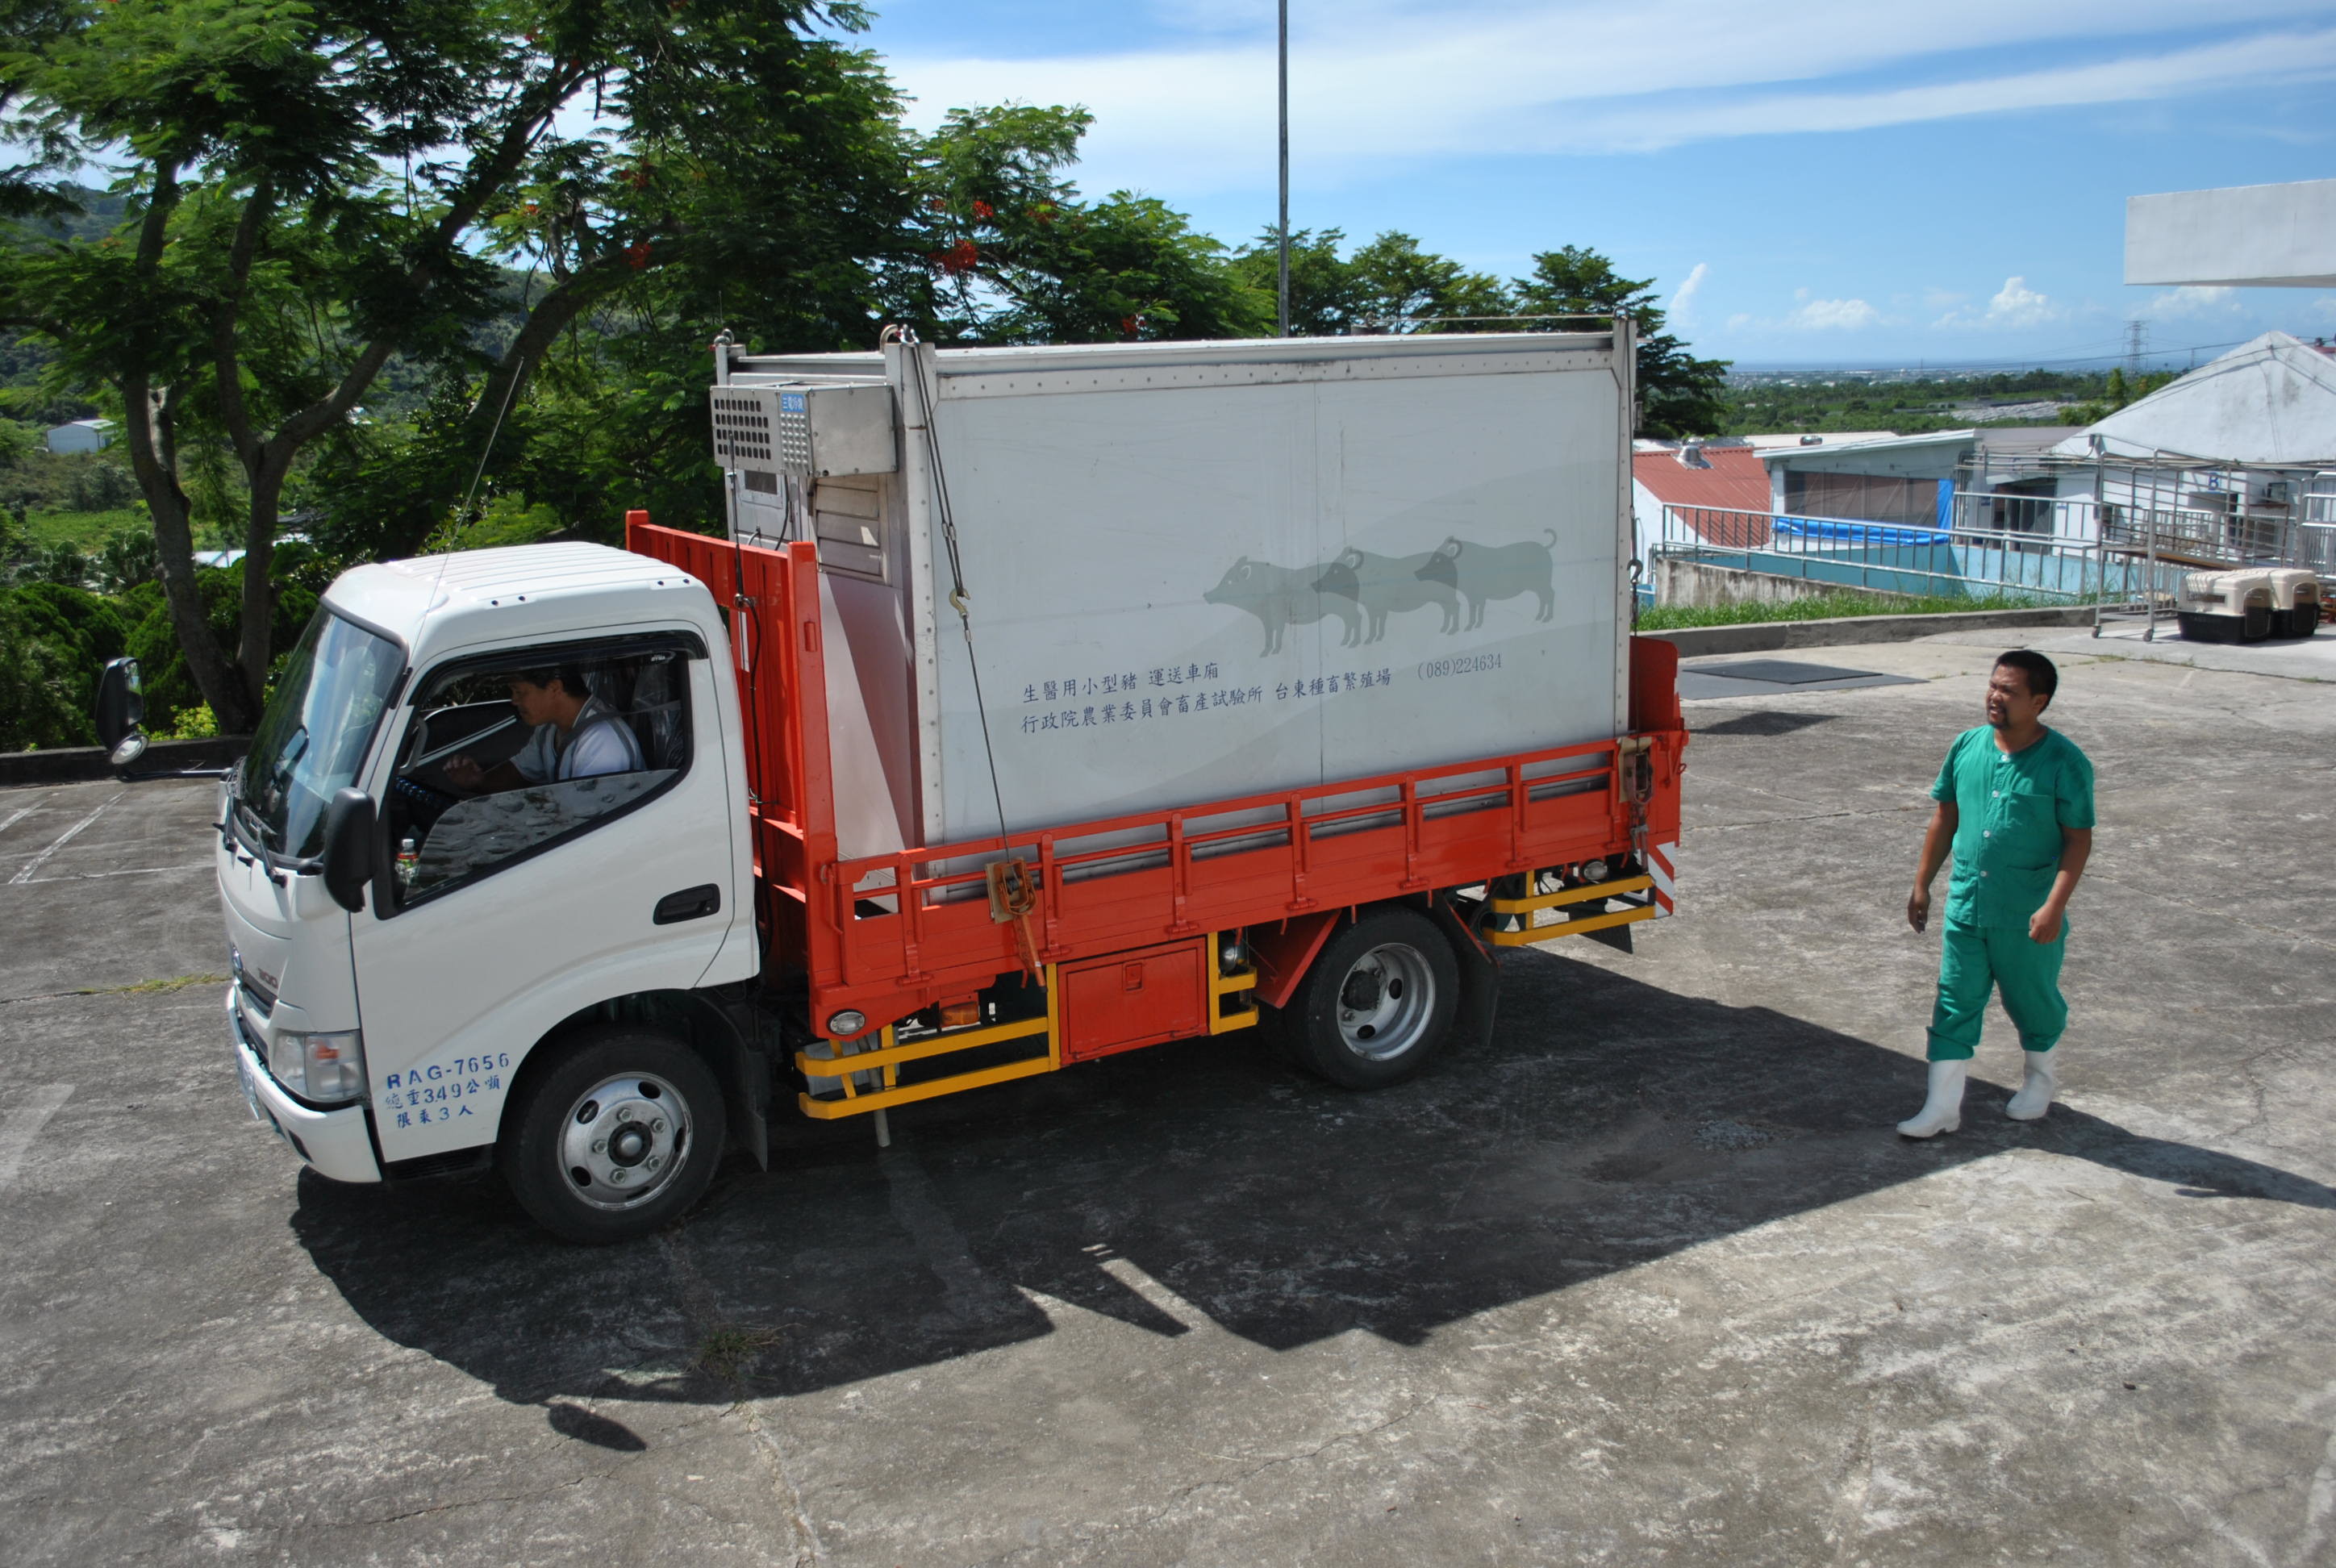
<point x="1648" y="1279"/>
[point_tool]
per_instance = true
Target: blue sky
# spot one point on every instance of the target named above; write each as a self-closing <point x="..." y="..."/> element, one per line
<point x="1818" y="182"/>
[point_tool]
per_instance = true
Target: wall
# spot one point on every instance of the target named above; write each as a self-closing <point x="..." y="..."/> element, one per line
<point x="1696" y="585"/>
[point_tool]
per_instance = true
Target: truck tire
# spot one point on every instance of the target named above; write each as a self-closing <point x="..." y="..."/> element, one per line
<point x="620" y="1135"/>
<point x="1377" y="1003"/>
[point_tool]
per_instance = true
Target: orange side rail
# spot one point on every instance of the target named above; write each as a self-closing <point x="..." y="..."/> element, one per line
<point x="1289" y="855"/>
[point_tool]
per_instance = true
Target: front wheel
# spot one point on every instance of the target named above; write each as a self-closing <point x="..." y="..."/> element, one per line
<point x="1378" y="1002"/>
<point x="619" y="1136"/>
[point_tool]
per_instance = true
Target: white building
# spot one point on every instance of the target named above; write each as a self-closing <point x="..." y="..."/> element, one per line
<point x="81" y="435"/>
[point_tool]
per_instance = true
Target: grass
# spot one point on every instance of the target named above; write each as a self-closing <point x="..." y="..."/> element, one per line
<point x="724" y="1350"/>
<point x="1824" y="607"/>
<point x="152" y="988"/>
<point x="88" y="531"/>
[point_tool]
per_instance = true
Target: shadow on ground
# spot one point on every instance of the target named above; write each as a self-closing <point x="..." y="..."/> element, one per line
<point x="1643" y="1123"/>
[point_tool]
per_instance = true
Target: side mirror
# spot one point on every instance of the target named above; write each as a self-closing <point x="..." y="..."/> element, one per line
<point x="121" y="713"/>
<point x="348" y="848"/>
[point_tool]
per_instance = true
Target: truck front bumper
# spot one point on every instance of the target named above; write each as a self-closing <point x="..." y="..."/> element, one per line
<point x="335" y="1142"/>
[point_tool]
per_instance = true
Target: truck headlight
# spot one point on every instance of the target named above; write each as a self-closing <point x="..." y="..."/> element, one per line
<point x="326" y="1068"/>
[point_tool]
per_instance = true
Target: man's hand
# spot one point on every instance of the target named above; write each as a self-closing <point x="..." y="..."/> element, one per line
<point x="463" y="771"/>
<point x="2044" y="925"/>
<point x="1936" y="840"/>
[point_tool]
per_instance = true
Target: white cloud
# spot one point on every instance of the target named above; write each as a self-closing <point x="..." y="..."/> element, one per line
<point x="1831" y="315"/>
<point x="1682" y="305"/>
<point x="1812" y="315"/>
<point x="2195" y="300"/>
<point x="2016" y="305"/>
<point x="2012" y="306"/>
<point x="1411" y="79"/>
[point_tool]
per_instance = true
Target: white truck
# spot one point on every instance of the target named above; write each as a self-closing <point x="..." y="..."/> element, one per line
<point x="1039" y="704"/>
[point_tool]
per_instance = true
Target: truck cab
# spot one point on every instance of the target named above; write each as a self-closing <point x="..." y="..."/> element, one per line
<point x="385" y="1036"/>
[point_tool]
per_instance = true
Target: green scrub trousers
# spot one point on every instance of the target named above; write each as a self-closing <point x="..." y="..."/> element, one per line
<point x="1976" y="960"/>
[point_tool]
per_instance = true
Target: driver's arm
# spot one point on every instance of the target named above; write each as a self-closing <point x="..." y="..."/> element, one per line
<point x="464" y="773"/>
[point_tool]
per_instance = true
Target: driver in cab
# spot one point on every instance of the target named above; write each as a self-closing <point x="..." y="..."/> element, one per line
<point x="576" y="736"/>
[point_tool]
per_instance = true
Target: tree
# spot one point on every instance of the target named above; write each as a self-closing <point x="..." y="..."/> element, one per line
<point x="1327" y="299"/>
<point x="1678" y="394"/>
<point x="317" y="186"/>
<point x="1021" y="258"/>
<point x="1408" y="289"/>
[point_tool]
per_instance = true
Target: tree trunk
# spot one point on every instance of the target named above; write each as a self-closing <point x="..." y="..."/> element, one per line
<point x="254" y="643"/>
<point x="174" y="546"/>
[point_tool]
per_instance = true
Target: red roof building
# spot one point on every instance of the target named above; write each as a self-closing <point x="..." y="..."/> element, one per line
<point x="1721" y="494"/>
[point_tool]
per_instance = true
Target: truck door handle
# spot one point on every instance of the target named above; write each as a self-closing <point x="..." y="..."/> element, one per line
<point x="689" y="904"/>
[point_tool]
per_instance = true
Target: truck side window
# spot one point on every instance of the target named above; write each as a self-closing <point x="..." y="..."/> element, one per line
<point x="506" y="758"/>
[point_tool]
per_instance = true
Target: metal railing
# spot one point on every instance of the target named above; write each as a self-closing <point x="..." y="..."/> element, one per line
<point x="2047" y="549"/>
<point x="2058" y="567"/>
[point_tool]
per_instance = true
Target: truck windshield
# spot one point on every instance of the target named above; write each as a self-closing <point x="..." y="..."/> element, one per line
<point x="314" y="733"/>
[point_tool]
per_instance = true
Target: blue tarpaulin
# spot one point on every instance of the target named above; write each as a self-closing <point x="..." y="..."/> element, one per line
<point x="1836" y="531"/>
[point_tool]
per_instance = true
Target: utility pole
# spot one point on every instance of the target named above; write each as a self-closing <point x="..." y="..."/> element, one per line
<point x="1283" y="271"/>
<point x="2135" y="331"/>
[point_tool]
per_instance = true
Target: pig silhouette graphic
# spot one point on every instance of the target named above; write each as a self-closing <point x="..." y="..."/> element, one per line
<point x="1388" y="584"/>
<point x="1481" y="573"/>
<point x="1284" y="596"/>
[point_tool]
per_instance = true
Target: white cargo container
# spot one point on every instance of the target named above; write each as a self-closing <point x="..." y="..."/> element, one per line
<point x="1193" y="570"/>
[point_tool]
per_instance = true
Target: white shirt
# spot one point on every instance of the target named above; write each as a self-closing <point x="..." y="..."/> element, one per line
<point x="599" y="741"/>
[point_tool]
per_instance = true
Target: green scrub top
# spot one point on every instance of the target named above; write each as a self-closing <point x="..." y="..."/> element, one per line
<point x="2010" y="811"/>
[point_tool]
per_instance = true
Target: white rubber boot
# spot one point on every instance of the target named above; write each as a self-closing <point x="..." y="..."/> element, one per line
<point x="1943" y="1111"/>
<point x="2035" y="1095"/>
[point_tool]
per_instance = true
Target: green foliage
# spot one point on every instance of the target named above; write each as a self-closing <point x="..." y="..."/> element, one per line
<point x="197" y="723"/>
<point x="505" y="520"/>
<point x="1327" y="298"/>
<point x="2116" y="393"/>
<point x="1022" y="259"/>
<point x="53" y="640"/>
<point x="1678" y="394"/>
<point x="1821" y="402"/>
<point x="153" y="642"/>
<point x="45" y="696"/>
<point x="1822" y="607"/>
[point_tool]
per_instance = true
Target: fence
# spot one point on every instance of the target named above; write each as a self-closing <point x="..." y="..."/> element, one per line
<point x="2044" y="549"/>
<point x="2060" y="567"/>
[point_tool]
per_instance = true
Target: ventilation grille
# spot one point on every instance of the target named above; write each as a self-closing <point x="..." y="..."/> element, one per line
<point x="741" y="430"/>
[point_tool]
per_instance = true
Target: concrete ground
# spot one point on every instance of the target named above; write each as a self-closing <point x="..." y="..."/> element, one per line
<point x="1647" y="1281"/>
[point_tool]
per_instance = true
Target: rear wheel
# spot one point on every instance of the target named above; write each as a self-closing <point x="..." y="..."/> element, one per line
<point x="619" y="1136"/>
<point x="1377" y="1003"/>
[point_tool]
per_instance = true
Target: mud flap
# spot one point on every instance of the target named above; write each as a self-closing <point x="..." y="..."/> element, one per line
<point x="745" y="1069"/>
<point x="1615" y="937"/>
<point x="1480" y="979"/>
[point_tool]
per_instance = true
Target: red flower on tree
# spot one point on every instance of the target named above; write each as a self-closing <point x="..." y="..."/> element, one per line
<point x="638" y="253"/>
<point x="984" y="209"/>
<point x="957" y="258"/>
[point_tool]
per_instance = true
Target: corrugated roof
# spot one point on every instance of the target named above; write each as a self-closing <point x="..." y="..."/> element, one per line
<point x="1735" y="478"/>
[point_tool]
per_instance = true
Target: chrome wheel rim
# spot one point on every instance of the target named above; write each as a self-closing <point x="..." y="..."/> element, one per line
<point x="622" y="1140"/>
<point x="1384" y="1002"/>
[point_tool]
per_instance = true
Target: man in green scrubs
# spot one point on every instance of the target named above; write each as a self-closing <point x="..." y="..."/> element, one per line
<point x="2015" y="800"/>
